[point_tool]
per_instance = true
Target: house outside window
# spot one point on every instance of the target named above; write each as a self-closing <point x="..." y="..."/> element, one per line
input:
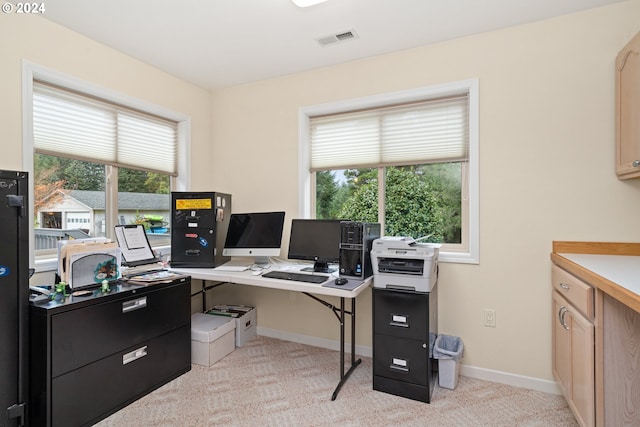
<point x="97" y="160"/>
<point x="408" y="160"/>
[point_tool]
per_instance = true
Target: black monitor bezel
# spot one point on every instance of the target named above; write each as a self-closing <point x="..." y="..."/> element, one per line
<point x="321" y="260"/>
<point x="254" y="248"/>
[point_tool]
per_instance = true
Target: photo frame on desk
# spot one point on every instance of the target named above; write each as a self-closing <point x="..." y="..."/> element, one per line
<point x="92" y="268"/>
<point x="67" y="252"/>
<point x="62" y="247"/>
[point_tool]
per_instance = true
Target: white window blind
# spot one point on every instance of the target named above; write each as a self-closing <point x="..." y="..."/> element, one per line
<point x="424" y="132"/>
<point x="73" y="125"/>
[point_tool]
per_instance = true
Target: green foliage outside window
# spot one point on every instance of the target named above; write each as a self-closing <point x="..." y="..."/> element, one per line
<point x="81" y="175"/>
<point x="420" y="200"/>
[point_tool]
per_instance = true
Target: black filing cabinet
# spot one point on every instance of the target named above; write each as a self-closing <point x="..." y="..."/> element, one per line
<point x="404" y="330"/>
<point x="93" y="355"/>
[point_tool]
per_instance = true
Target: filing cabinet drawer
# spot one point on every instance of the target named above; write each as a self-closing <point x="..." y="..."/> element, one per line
<point x="578" y="293"/>
<point x="401" y="314"/>
<point x="401" y="359"/>
<point x="103" y="387"/>
<point x="81" y="336"/>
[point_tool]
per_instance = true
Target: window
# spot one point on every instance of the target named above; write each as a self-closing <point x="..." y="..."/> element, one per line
<point x="407" y="160"/>
<point x="97" y="160"/>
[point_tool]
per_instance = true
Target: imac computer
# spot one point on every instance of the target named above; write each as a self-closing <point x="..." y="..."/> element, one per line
<point x="257" y="235"/>
<point x="316" y="240"/>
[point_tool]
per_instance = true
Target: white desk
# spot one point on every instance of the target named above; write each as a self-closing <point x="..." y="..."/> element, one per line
<point x="248" y="278"/>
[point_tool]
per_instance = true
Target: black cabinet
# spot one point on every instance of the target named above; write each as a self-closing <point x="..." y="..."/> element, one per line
<point x="91" y="356"/>
<point x="404" y="330"/>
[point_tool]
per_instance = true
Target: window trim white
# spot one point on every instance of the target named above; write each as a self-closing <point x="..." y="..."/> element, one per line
<point x="31" y="71"/>
<point x="472" y="256"/>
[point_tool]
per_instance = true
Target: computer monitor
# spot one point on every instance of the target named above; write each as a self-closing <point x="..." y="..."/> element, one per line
<point x="257" y="235"/>
<point x="316" y="240"/>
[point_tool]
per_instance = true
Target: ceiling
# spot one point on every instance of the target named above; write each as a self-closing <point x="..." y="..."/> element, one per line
<point x="222" y="43"/>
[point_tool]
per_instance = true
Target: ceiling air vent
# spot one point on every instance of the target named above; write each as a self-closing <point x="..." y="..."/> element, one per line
<point x="336" y="38"/>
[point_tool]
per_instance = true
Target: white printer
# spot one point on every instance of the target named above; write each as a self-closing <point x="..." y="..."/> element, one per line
<point x="404" y="263"/>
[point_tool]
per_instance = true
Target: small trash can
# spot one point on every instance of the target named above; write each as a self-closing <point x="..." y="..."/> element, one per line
<point x="448" y="350"/>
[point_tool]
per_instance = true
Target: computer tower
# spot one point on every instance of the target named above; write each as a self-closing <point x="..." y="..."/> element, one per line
<point x="199" y="223"/>
<point x="356" y="240"/>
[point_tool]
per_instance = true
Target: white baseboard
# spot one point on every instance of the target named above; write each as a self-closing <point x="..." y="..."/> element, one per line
<point x="538" y="384"/>
<point x="501" y="377"/>
<point x="314" y="341"/>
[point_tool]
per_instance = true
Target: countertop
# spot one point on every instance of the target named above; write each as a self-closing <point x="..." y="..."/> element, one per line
<point x="613" y="268"/>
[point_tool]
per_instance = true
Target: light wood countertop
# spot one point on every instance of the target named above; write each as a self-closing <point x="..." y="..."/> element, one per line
<point x="614" y="268"/>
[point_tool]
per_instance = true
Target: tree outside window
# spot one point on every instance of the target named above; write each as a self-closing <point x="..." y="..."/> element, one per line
<point x="419" y="200"/>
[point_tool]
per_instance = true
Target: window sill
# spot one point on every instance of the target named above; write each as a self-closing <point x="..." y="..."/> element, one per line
<point x="458" y="258"/>
<point x="46" y="264"/>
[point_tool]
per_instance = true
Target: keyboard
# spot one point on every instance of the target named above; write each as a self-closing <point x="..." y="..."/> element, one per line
<point x="297" y="277"/>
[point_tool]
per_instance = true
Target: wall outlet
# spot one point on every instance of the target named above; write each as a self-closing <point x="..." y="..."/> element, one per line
<point x="490" y="317"/>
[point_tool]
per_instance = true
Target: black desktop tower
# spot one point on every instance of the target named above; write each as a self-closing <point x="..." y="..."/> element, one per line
<point x="199" y="223"/>
<point x="356" y="240"/>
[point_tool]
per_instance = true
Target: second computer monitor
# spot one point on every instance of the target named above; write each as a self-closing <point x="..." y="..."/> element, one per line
<point x="316" y="240"/>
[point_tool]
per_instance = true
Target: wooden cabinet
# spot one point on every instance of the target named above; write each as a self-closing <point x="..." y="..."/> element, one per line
<point x="404" y="330"/>
<point x="574" y="343"/>
<point x="91" y="356"/>
<point x="628" y="110"/>
<point x="621" y="363"/>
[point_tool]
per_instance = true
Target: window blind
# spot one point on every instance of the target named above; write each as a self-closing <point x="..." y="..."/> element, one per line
<point x="70" y="124"/>
<point x="430" y="131"/>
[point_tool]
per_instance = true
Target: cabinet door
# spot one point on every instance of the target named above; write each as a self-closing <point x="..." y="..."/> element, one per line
<point x="561" y="345"/>
<point x="628" y="110"/>
<point x="582" y="368"/>
<point x="573" y="359"/>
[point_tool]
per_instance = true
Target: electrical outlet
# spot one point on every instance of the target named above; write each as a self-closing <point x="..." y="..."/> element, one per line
<point x="490" y="317"/>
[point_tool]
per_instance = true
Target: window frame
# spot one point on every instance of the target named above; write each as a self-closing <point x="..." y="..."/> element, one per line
<point x="31" y="72"/>
<point x="306" y="189"/>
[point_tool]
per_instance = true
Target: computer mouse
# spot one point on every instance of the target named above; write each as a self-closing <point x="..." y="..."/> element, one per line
<point x="341" y="281"/>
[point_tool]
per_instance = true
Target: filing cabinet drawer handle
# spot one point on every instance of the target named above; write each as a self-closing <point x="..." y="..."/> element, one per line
<point x="134" y="355"/>
<point x="400" y="320"/>
<point x="399" y="365"/>
<point x="134" y="304"/>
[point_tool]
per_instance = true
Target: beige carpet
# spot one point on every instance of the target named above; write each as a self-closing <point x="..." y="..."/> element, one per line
<point x="271" y="382"/>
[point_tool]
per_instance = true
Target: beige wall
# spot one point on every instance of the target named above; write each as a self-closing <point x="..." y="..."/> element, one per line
<point x="546" y="158"/>
<point x="546" y="171"/>
<point x="36" y="40"/>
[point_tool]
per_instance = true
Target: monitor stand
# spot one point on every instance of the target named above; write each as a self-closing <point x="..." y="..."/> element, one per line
<point x="248" y="262"/>
<point x="319" y="267"/>
<point x="262" y="261"/>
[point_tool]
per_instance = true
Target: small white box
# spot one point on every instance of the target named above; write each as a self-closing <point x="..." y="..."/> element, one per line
<point x="448" y="371"/>
<point x="212" y="338"/>
<point x="246" y="320"/>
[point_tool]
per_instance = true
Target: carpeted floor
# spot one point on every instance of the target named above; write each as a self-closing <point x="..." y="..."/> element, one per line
<point x="271" y="382"/>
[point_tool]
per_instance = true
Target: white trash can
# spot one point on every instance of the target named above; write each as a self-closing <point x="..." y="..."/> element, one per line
<point x="448" y="350"/>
